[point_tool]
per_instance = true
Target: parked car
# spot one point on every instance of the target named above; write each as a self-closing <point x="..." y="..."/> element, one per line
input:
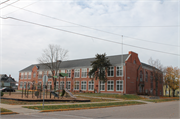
<point x="6" y="89"/>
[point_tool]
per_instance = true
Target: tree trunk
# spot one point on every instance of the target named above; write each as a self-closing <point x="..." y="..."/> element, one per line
<point x="173" y="93"/>
<point x="169" y="92"/>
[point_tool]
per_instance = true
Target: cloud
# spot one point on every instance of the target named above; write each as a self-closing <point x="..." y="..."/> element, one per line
<point x="22" y="43"/>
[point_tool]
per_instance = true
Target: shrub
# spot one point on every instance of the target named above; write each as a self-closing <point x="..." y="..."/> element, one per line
<point x="2" y="93"/>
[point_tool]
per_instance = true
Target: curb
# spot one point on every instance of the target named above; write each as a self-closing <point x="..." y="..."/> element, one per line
<point x="84" y="108"/>
<point x="6" y="113"/>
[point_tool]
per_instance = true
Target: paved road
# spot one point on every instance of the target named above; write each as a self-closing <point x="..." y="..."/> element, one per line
<point x="151" y="110"/>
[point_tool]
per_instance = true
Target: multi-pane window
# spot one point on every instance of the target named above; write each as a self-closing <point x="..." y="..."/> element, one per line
<point x="61" y="85"/>
<point x="151" y="81"/>
<point x="34" y="74"/>
<point x="76" y="86"/>
<point x="25" y="75"/>
<point x="24" y="85"/>
<point x="57" y="85"/>
<point x="89" y="71"/>
<point x="29" y="75"/>
<point x="21" y="84"/>
<point x="63" y="71"/>
<point x="49" y="85"/>
<point x="119" y="71"/>
<point x="110" y="85"/>
<point x="22" y="75"/>
<point x="49" y="74"/>
<point x="111" y="71"/>
<point x="84" y="72"/>
<point x="69" y="73"/>
<point x="141" y="76"/>
<point x="40" y="75"/>
<point x="146" y="77"/>
<point x="45" y="73"/>
<point x="102" y="85"/>
<point x="76" y="73"/>
<point x="68" y="85"/>
<point x="91" y="85"/>
<point x="119" y="85"/>
<point x="83" y="85"/>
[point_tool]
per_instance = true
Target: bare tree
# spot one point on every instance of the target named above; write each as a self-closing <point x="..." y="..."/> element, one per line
<point x="157" y="71"/>
<point x="52" y="58"/>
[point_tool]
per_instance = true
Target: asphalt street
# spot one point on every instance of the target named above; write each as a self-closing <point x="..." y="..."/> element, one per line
<point x="169" y="110"/>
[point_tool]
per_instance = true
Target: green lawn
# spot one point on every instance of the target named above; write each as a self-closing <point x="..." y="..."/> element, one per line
<point x="125" y="97"/>
<point x="4" y="110"/>
<point x="160" y="100"/>
<point x="93" y="105"/>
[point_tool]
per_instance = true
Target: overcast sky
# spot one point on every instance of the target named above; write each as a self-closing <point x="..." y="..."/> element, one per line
<point x="151" y="20"/>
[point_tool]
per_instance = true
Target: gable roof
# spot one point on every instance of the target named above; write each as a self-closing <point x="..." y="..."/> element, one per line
<point x="79" y="63"/>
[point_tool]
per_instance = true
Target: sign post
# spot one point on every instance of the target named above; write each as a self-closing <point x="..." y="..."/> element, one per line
<point x="45" y="79"/>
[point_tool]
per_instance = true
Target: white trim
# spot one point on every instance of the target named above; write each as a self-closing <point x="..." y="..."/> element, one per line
<point x="75" y="72"/>
<point x="91" y="85"/>
<point x="128" y="57"/>
<point x="110" y="71"/>
<point x="119" y="85"/>
<point x="101" y="84"/>
<point x="110" y="85"/>
<point x="83" y="70"/>
<point x="75" y="83"/>
<point x="81" y="85"/>
<point x="122" y="71"/>
<point x="67" y="85"/>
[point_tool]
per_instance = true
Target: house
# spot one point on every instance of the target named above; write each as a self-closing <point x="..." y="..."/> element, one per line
<point x="167" y="90"/>
<point x="127" y="75"/>
<point x="7" y="81"/>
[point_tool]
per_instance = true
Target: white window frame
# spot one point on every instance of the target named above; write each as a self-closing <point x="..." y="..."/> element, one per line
<point x="62" y="71"/>
<point x="76" y="73"/>
<point x="40" y="75"/>
<point x="110" y="85"/>
<point x="21" y="85"/>
<point x="91" y="84"/>
<point x="61" y="85"/>
<point x="120" y="69"/>
<point x="111" y="68"/>
<point x="102" y="84"/>
<point x="120" y="84"/>
<point x="34" y="74"/>
<point x="25" y="75"/>
<point x="82" y="85"/>
<point x="49" y="74"/>
<point x="69" y="73"/>
<point x="48" y="86"/>
<point x="75" y="85"/>
<point x="29" y="75"/>
<point x="68" y="85"/>
<point x="83" y="72"/>
<point x="89" y="71"/>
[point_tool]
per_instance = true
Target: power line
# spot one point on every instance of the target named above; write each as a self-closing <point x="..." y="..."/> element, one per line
<point x="88" y="36"/>
<point x="22" y="7"/>
<point x="9" y="4"/>
<point x="4" y="2"/>
<point x="90" y="27"/>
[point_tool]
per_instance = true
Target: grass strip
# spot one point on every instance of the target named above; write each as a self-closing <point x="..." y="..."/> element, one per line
<point x="4" y="110"/>
<point x="83" y="106"/>
<point x="125" y="97"/>
<point x="160" y="100"/>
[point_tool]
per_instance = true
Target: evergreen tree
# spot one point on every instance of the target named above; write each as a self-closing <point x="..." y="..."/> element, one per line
<point x="99" y="67"/>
